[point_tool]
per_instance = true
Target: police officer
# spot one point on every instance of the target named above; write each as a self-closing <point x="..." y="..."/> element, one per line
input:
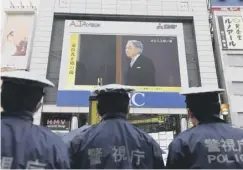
<point x="67" y="138"/>
<point x="23" y="144"/>
<point x="211" y="143"/>
<point x="114" y="143"/>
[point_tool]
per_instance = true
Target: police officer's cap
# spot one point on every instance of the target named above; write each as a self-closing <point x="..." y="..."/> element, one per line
<point x="202" y="94"/>
<point x="25" y="77"/>
<point x="114" y="89"/>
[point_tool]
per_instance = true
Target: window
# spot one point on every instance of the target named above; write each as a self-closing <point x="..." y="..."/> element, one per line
<point x="237" y="88"/>
<point x="235" y="60"/>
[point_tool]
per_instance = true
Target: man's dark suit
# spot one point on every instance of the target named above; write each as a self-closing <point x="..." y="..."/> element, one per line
<point x="142" y="73"/>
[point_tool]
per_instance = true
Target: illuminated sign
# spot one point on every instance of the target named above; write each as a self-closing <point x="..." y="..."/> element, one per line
<point x="91" y="54"/>
<point x="137" y="99"/>
<point x="58" y="124"/>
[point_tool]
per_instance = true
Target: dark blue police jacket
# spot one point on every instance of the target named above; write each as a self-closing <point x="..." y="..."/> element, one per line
<point x="114" y="143"/>
<point x="210" y="145"/>
<point x="67" y="138"/>
<point x="25" y="145"/>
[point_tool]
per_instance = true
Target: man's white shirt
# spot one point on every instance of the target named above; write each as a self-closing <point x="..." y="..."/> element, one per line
<point x="134" y="60"/>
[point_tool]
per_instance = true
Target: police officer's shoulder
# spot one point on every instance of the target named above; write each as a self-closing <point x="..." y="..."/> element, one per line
<point x="143" y="134"/>
<point x="87" y="131"/>
<point x="78" y="142"/>
<point x="236" y="130"/>
<point x="113" y="88"/>
<point x="45" y="130"/>
<point x="184" y="136"/>
<point x="49" y="140"/>
<point x="148" y="139"/>
<point x="84" y="134"/>
<point x="186" y="132"/>
<point x="72" y="134"/>
<point x="22" y="77"/>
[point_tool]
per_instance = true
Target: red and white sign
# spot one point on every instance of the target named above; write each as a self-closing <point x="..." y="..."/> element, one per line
<point x="225" y="9"/>
<point x="58" y="124"/>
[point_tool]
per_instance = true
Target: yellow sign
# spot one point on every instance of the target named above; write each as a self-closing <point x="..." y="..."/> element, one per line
<point x="94" y="117"/>
<point x="157" y="89"/>
<point x="138" y="88"/>
<point x="154" y="119"/>
<point x="72" y="59"/>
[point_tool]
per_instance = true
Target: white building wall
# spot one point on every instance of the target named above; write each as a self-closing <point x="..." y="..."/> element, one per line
<point x="196" y="9"/>
<point x="231" y="75"/>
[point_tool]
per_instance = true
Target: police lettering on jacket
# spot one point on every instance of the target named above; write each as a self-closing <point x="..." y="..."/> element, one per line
<point x="218" y="150"/>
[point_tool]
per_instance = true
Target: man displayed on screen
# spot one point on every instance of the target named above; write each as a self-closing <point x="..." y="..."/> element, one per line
<point x="141" y="70"/>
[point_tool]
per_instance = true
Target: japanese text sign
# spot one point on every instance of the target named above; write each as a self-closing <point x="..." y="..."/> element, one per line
<point x="231" y="32"/>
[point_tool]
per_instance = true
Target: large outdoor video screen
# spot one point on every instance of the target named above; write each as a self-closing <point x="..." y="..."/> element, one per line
<point x="149" y="56"/>
<point x="112" y="58"/>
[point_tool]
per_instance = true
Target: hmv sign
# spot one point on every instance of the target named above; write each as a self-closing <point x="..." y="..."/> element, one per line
<point x="58" y="124"/>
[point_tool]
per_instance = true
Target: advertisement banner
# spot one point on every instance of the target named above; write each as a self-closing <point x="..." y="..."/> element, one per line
<point x="231" y="32"/>
<point x="16" y="40"/>
<point x="149" y="56"/>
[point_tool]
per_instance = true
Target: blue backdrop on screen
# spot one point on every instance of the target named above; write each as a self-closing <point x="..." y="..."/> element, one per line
<point x="139" y="99"/>
<point x="226" y="3"/>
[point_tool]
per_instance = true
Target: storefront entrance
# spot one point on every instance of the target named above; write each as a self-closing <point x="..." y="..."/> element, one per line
<point x="161" y="127"/>
<point x="150" y="123"/>
<point x="156" y="123"/>
<point x="62" y="123"/>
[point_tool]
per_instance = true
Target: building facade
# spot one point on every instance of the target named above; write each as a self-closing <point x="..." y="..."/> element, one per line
<point x="71" y="35"/>
<point x="228" y="44"/>
<point x="48" y="41"/>
<point x="78" y="43"/>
